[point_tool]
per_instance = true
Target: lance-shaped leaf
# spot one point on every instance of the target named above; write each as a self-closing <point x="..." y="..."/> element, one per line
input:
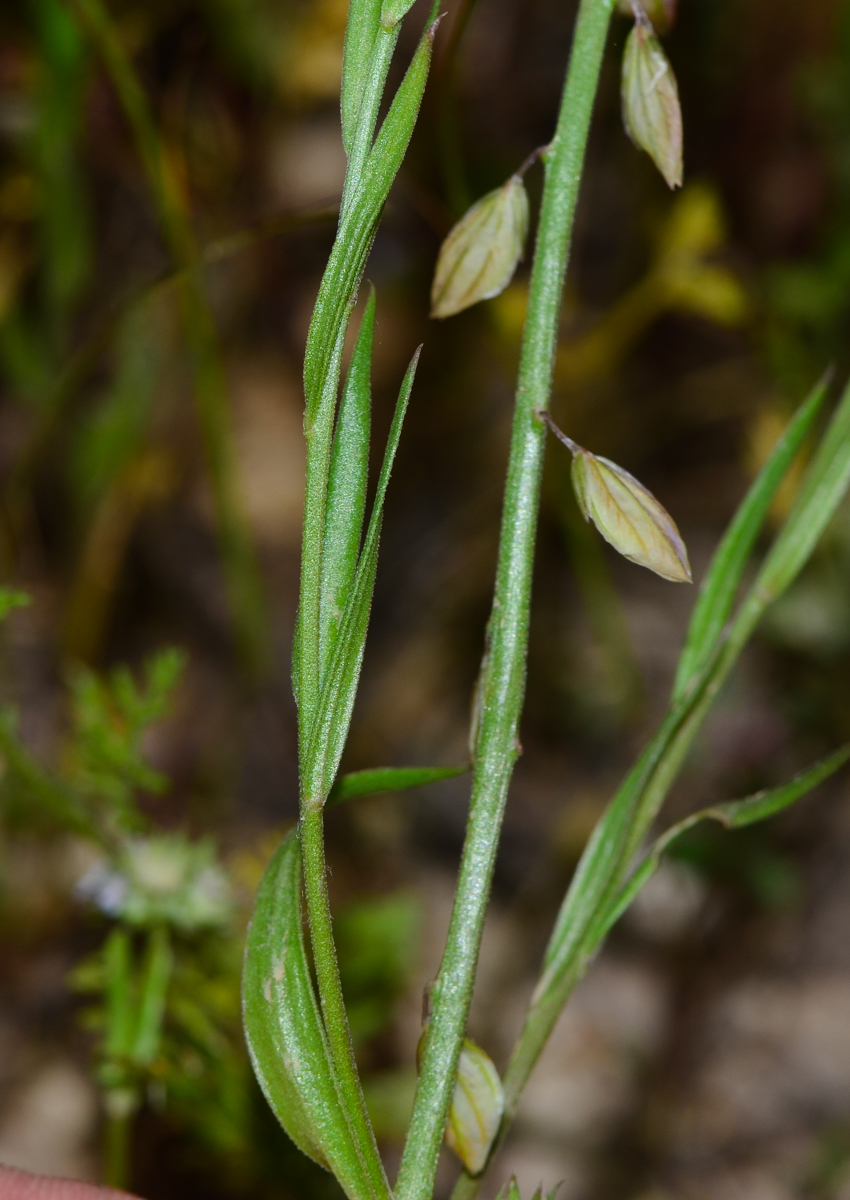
<point x="364" y="17"/>
<point x="347" y="480"/>
<point x="476" y="1109"/>
<point x="651" y="112"/>
<point x="478" y="258"/>
<point x="720" y="586"/>
<point x="284" y="1031"/>
<point x="329" y="728"/>
<point x="628" y="516"/>
<point x="389" y="779"/>
<point x="356" y="232"/>
<point x="605" y="863"/>
<point x="734" y="814"/>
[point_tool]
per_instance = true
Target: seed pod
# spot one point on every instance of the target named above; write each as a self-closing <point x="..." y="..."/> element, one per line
<point x="662" y="13"/>
<point x="629" y="517"/>
<point x="478" y="258"/>
<point x="476" y="1109"/>
<point x="651" y="112"/>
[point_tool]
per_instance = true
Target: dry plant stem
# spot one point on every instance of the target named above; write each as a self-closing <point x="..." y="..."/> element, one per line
<point x="503" y="677"/>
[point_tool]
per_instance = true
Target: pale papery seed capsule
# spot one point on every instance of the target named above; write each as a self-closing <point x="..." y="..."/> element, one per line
<point x="629" y="517"/>
<point x="478" y="258"/>
<point x="651" y="111"/>
<point x="476" y="1109"/>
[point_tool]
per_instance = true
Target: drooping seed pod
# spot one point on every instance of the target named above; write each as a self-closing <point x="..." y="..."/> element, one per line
<point x="651" y="112"/>
<point x="662" y="13"/>
<point x="478" y="258"/>
<point x="477" y="1107"/>
<point x="628" y="516"/>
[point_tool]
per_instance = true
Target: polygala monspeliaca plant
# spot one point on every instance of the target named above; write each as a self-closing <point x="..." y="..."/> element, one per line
<point x="296" y="1028"/>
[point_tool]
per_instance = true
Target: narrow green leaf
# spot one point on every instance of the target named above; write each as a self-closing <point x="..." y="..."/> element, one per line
<point x="735" y="814"/>
<point x="389" y="779"/>
<point x="336" y="700"/>
<point x="156" y="976"/>
<point x="821" y="491"/>
<point x="720" y="586"/>
<point x="283" y="1028"/>
<point x="364" y="18"/>
<point x="347" y="480"/>
<point x="357" y="229"/>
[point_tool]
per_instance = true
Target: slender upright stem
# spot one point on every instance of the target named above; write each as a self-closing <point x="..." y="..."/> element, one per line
<point x="503" y="675"/>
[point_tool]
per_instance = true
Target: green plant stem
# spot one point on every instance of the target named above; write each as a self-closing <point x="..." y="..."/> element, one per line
<point x="116" y="1169"/>
<point x="240" y="566"/>
<point x="327" y="977"/>
<point x="503" y="677"/>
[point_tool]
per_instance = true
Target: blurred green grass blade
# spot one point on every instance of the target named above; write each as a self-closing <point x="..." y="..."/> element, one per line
<point x="12" y="598"/>
<point x="336" y="700"/>
<point x="118" y="994"/>
<point x="364" y="17"/>
<point x="347" y="479"/>
<point x="56" y="800"/>
<point x="389" y="779"/>
<point x="720" y="586"/>
<point x="357" y="227"/>
<point x="820" y="494"/>
<point x="735" y="814"/>
<point x="156" y="975"/>
<point x="285" y="1035"/>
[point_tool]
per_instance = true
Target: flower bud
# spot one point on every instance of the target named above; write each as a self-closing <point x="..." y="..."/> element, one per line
<point x="629" y="517"/>
<point x="476" y="1109"/>
<point x="478" y="258"/>
<point x="651" y="112"/>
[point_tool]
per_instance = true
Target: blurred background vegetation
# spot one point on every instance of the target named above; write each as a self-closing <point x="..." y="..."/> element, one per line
<point x="168" y="180"/>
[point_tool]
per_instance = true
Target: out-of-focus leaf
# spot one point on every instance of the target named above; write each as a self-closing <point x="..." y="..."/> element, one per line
<point x="821" y="491"/>
<point x="389" y="779"/>
<point x="284" y="1031"/>
<point x="329" y="728"/>
<point x="735" y="814"/>
<point x="347" y="487"/>
<point x="377" y="942"/>
<point x="720" y="586"/>
<point x="478" y="258"/>
<point x="59" y="802"/>
<point x="364" y="18"/>
<point x="11" y="598"/>
<point x="476" y="1109"/>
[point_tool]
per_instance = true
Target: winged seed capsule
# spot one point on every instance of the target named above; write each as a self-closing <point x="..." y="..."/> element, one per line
<point x="651" y="112"/>
<point x="629" y="517"/>
<point x="478" y="258"/>
<point x="476" y="1110"/>
<point x="624" y="511"/>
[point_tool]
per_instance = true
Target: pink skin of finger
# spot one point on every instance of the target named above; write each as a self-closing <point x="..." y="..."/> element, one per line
<point x="19" y="1185"/>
